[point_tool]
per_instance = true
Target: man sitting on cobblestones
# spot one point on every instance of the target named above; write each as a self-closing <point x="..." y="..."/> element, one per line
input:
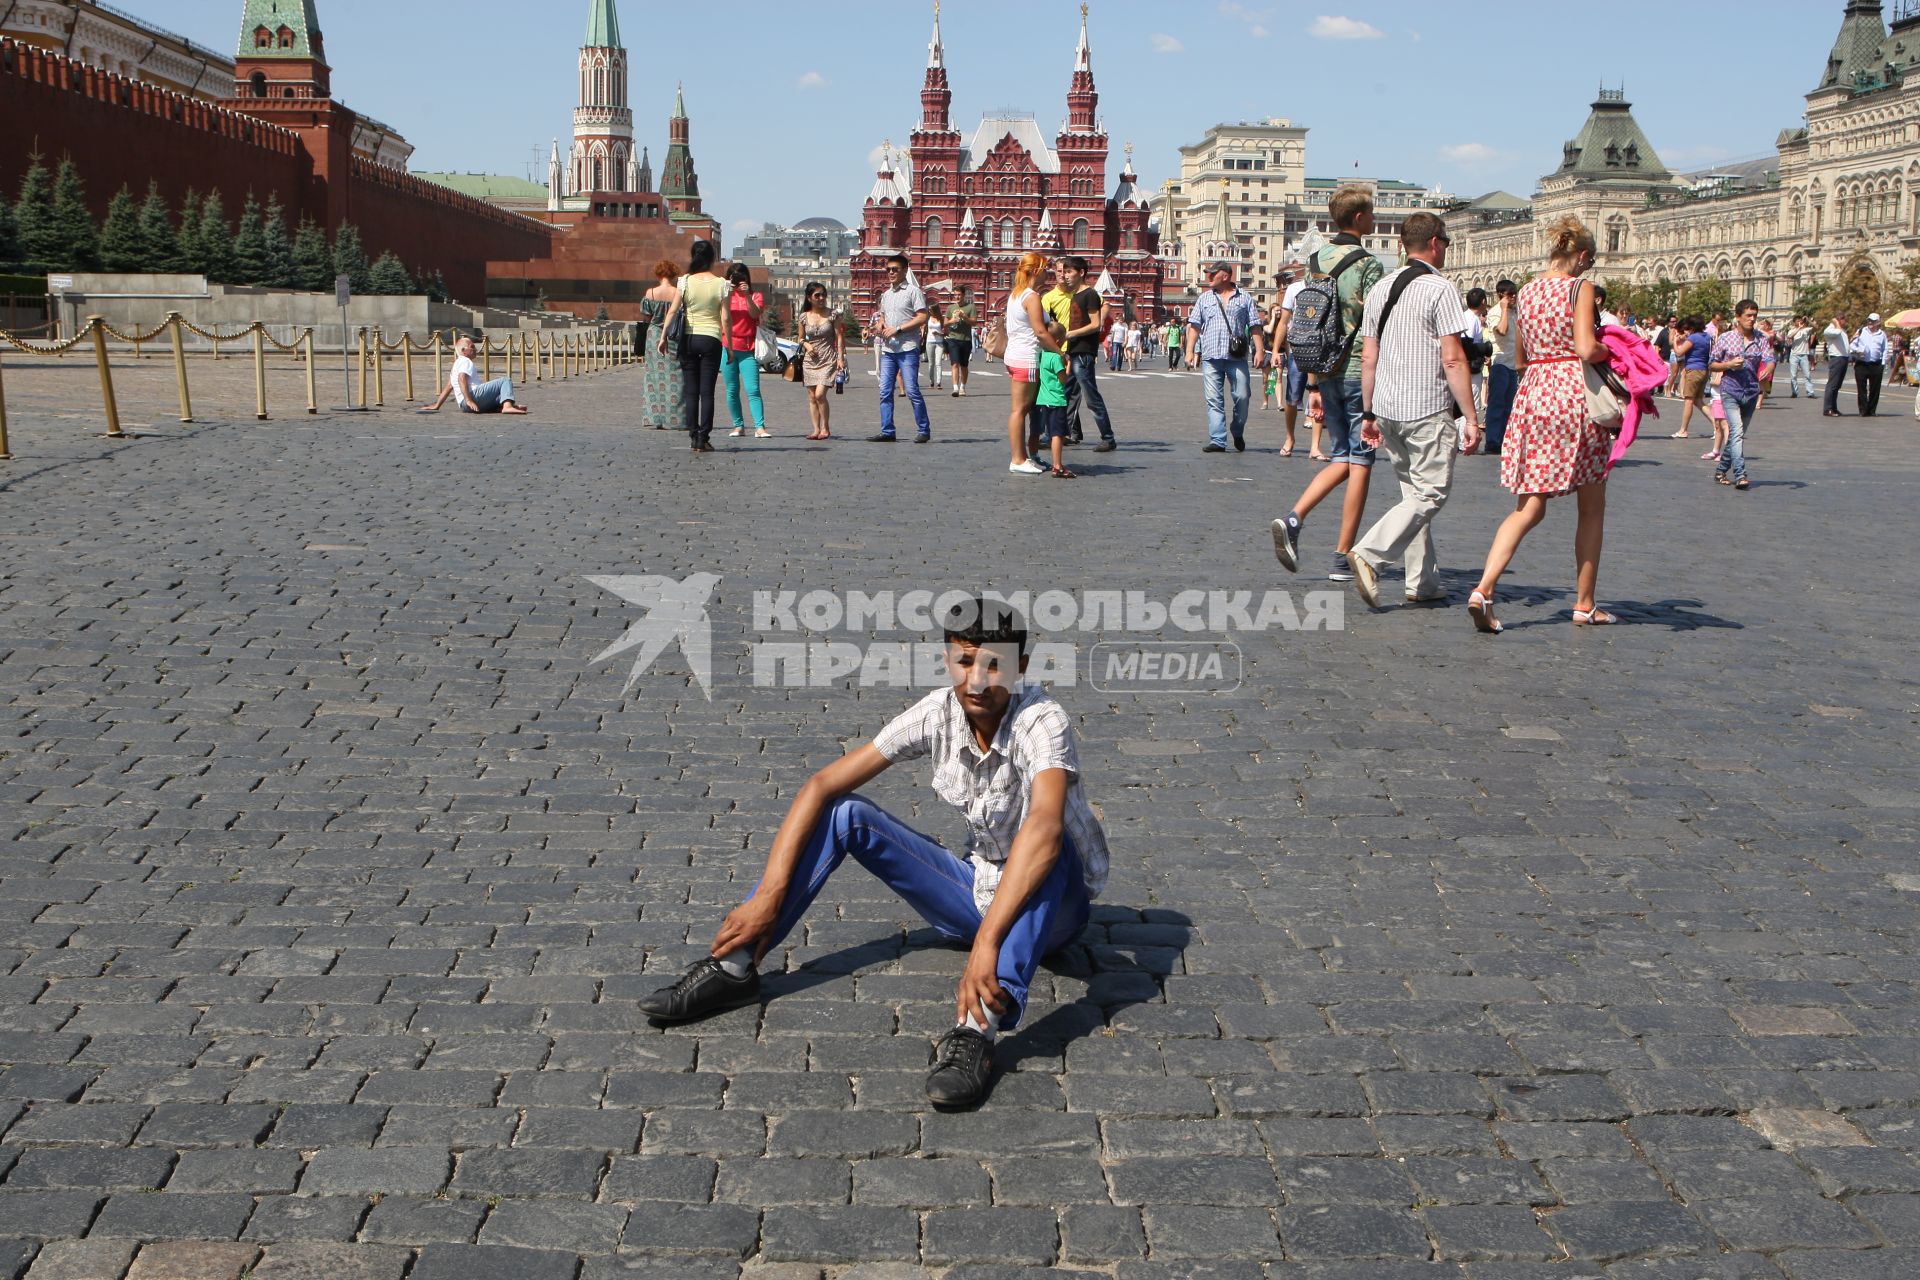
<point x="474" y="396"/>
<point x="1004" y="754"/>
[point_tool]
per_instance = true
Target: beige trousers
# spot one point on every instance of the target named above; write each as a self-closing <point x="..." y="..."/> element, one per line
<point x="1423" y="454"/>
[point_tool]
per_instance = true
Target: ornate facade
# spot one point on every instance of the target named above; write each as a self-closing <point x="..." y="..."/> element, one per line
<point x="602" y="158"/>
<point x="963" y="210"/>
<point x="1841" y="194"/>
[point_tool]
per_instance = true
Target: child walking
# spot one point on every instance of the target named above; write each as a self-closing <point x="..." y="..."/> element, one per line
<point x="1052" y="401"/>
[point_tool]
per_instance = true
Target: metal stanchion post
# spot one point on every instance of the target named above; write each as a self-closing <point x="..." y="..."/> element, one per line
<point x="406" y="362"/>
<point x="180" y="365"/>
<point x="259" y="373"/>
<point x="439" y="373"/>
<point x="4" y="455"/>
<point x="523" y="357"/>
<point x="379" y="370"/>
<point x="538" y="350"/>
<point x="313" y="396"/>
<point x="363" y="366"/>
<point x="98" y="325"/>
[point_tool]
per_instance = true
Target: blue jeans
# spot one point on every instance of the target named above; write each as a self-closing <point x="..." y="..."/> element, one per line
<point x="489" y="396"/>
<point x="740" y="371"/>
<point x="907" y="365"/>
<point x="939" y="886"/>
<point x="1799" y="371"/>
<point x="1089" y="388"/>
<point x="1502" y="383"/>
<point x="1733" y="456"/>
<point x="1226" y="379"/>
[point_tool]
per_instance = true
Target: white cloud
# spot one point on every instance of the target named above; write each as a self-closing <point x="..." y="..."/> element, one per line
<point x="1163" y="43"/>
<point x="1469" y="153"/>
<point x="812" y="80"/>
<point x="1256" y="19"/>
<point x="1329" y="27"/>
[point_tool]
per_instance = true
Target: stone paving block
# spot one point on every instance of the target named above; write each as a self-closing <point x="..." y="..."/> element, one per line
<point x="1774" y="1221"/>
<point x="781" y="1180"/>
<point x="1091" y="1233"/>
<point x="707" y="1133"/>
<point x="528" y="1172"/>
<point x="999" y="1235"/>
<point x="100" y="1124"/>
<point x="1037" y="1180"/>
<point x="643" y="1266"/>
<point x="1000" y="1134"/>
<point x="166" y="1215"/>
<point x="46" y="1215"/>
<point x="324" y="1218"/>
<point x="720" y="1229"/>
<point x="1218" y="1180"/>
<point x="15" y="1255"/>
<point x="82" y="1260"/>
<point x="1359" y="1231"/>
<point x="1845" y="1171"/>
<point x="674" y="1179"/>
<point x="1616" y="1229"/>
<point x="1828" y="1264"/>
<point x="491" y="1262"/>
<point x="331" y="1262"/>
<point x="1477" y="1180"/>
<point x="263" y="1171"/>
<point x="395" y="1171"/>
<point x="1488" y="1233"/>
<point x="192" y="1260"/>
<point x="579" y="1127"/>
<point x="854" y="1136"/>
<point x="579" y="1228"/>
<point x="408" y="1221"/>
<point x="90" y="1168"/>
<point x="312" y="1126"/>
<point x="1197" y="1231"/>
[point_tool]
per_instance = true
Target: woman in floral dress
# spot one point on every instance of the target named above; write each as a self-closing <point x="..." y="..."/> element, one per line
<point x="661" y="406"/>
<point x="1552" y="446"/>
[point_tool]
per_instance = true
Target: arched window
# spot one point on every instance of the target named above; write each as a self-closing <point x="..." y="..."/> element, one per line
<point x="599" y="85"/>
<point x="1006" y="233"/>
<point x="1026" y="233"/>
<point x="262" y="38"/>
<point x="1080" y="229"/>
<point x="597" y="175"/>
<point x="259" y="82"/>
<point x="936" y="233"/>
<point x="286" y="37"/>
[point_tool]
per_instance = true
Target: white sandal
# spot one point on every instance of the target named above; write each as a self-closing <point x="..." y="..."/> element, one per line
<point x="1480" y="609"/>
<point x="1594" y="617"/>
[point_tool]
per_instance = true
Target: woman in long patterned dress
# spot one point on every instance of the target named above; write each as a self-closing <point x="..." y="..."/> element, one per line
<point x="1552" y="446"/>
<point x="661" y="406"/>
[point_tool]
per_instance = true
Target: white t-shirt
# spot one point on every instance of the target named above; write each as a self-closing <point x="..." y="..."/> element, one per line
<point x="1023" y="349"/>
<point x="1837" y="342"/>
<point x="1293" y="291"/>
<point x="1133" y="337"/>
<point x="464" y="365"/>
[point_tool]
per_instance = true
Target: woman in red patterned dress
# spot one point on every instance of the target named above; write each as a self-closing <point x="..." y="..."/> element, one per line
<point x="1552" y="446"/>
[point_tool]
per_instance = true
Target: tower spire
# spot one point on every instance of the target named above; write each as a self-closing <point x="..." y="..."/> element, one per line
<point x="603" y="25"/>
<point x="936" y="52"/>
<point x="1083" y="100"/>
<point x="1083" y="59"/>
<point x="936" y="98"/>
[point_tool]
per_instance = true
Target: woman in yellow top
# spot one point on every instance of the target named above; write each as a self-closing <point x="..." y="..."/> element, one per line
<point x="703" y="297"/>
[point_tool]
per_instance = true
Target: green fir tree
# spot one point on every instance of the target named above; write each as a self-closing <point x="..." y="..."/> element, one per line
<point x="33" y="214"/>
<point x="215" y="242"/>
<point x="273" y="233"/>
<point x="122" y="248"/>
<point x="437" y="288"/>
<point x="350" y="259"/>
<point x="312" y="260"/>
<point x="9" y="235"/>
<point x="389" y="276"/>
<point x="188" y="235"/>
<point x="78" y="238"/>
<point x="250" y="265"/>
<point x="159" y="246"/>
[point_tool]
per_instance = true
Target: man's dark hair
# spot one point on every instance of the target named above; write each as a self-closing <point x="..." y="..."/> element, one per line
<point x="1693" y="324"/>
<point x="1506" y="288"/>
<point x="1599" y="293"/>
<point x="1476" y="298"/>
<point x="1420" y="230"/>
<point x="1073" y="262"/>
<point x="979" y="621"/>
<point x="900" y="260"/>
<point x="1745" y="304"/>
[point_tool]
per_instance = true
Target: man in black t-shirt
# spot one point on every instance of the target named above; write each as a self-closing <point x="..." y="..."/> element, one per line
<point x="1085" y="320"/>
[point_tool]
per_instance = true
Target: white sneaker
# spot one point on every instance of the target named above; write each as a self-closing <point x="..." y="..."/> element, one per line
<point x="1027" y="468"/>
<point x="738" y="431"/>
<point x="763" y="434"/>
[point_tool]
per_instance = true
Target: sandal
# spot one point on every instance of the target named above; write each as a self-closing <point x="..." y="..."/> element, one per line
<point x="1741" y="483"/>
<point x="1319" y="457"/>
<point x="1065" y="473"/>
<point x="1480" y="609"/>
<point x="1594" y="617"/>
<point x="1287" y="452"/>
<point x="1680" y="435"/>
<point x="1720" y="477"/>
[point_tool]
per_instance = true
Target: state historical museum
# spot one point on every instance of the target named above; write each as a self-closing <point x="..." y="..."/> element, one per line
<point x="965" y="210"/>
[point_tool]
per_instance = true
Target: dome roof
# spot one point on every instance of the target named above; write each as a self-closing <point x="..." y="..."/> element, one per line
<point x="820" y="224"/>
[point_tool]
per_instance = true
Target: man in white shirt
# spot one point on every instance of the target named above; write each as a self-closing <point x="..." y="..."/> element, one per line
<point x="1414" y="385"/>
<point x="471" y="394"/>
<point x="1004" y="754"/>
<point x="1869" y="352"/>
<point x="1293" y="278"/>
<point x="1839" y="356"/>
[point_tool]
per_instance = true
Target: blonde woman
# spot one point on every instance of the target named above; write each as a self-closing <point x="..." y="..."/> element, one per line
<point x="1552" y="447"/>
<point x="1027" y="337"/>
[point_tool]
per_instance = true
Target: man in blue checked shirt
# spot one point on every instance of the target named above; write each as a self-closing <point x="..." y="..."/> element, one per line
<point x="1869" y="351"/>
<point x="1223" y="327"/>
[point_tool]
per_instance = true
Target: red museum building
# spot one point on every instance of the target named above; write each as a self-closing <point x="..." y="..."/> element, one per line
<point x="965" y="210"/>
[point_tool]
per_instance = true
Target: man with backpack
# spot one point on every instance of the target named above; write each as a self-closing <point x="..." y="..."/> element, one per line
<point x="1324" y="339"/>
<point x="1225" y="324"/>
<point x="1417" y="399"/>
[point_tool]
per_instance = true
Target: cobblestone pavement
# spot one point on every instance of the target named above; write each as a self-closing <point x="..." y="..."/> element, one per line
<point x="334" y="865"/>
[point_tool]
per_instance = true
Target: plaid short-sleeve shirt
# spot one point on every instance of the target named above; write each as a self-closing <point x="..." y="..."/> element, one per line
<point x="992" y="790"/>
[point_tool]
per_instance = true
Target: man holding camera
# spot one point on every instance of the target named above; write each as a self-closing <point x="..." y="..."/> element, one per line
<point x="1223" y="328"/>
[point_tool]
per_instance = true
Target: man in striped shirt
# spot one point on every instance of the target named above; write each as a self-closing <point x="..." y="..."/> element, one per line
<point x="1414" y="385"/>
<point x="1003" y="754"/>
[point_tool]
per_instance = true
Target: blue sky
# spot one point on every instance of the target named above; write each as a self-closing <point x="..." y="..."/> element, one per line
<point x="788" y="101"/>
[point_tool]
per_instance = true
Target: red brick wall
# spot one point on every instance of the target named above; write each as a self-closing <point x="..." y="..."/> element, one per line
<point x="123" y="132"/>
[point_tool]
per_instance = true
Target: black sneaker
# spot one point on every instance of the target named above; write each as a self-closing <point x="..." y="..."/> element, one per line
<point x="1342" y="568"/>
<point x="1105" y="446"/>
<point x="706" y="988"/>
<point x="962" y="1065"/>
<point x="1239" y="444"/>
<point x="882" y="438"/>
<point x="922" y="438"/>
<point x="1213" y="448"/>
<point x="1286" y="543"/>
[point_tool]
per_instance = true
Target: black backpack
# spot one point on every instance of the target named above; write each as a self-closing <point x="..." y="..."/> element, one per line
<point x="1315" y="335"/>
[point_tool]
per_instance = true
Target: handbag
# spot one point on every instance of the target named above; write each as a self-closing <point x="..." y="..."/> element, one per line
<point x="1606" y="396"/>
<point x="995" y="343"/>
<point x="766" y="346"/>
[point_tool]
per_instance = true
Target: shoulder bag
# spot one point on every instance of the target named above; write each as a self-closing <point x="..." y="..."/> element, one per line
<point x="1606" y="394"/>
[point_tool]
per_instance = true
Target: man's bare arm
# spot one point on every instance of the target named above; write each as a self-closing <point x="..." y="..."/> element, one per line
<point x="1036" y="847"/>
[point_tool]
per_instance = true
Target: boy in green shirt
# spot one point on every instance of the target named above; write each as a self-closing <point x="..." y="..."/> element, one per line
<point x="1051" y="400"/>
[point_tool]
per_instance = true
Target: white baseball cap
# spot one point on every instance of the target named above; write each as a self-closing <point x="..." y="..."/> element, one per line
<point x="1874" y="318"/>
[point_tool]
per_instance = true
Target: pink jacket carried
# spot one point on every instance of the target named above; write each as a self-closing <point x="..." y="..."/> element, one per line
<point x="1640" y="369"/>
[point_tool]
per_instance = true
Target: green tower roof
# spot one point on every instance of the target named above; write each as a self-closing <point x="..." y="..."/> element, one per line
<point x="603" y="25"/>
<point x="296" y="16"/>
<point x="1611" y="146"/>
